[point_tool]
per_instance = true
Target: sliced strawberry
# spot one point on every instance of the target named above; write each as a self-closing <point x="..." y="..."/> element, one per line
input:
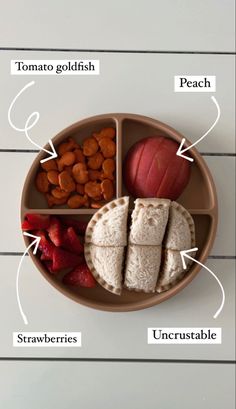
<point x="78" y="225"/>
<point x="44" y="257"/>
<point x="55" y="231"/>
<point x="71" y="241"/>
<point x="45" y="246"/>
<point x="48" y="265"/>
<point x="25" y="225"/>
<point x="38" y="221"/>
<point x="64" y="259"/>
<point x="80" y="276"/>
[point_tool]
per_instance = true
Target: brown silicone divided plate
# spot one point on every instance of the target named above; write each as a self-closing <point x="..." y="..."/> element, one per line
<point x="199" y="198"/>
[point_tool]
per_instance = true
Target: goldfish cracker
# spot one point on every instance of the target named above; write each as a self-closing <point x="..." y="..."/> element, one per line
<point x="95" y="161"/>
<point x="67" y="159"/>
<point x="107" y="189"/>
<point x="59" y="167"/>
<point x="106" y="176"/>
<point x="96" y="205"/>
<point x="76" y="201"/>
<point x="42" y="183"/>
<point x="108" y="165"/>
<point x="64" y="147"/>
<point x="87" y="201"/>
<point x="86" y="172"/>
<point x="69" y="169"/>
<point x="94" y="175"/>
<point x="93" y="190"/>
<point x="66" y="181"/>
<point x="90" y="146"/>
<point x="95" y="199"/>
<point x="49" y="165"/>
<point x="108" y="168"/>
<point x="105" y="132"/>
<point x="79" y="156"/>
<point x="53" y="201"/>
<point x="80" y="188"/>
<point x="108" y="147"/>
<point x="58" y="193"/>
<point x="52" y="176"/>
<point x="80" y="173"/>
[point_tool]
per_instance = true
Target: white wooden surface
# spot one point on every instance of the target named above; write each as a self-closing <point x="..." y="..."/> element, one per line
<point x="118" y="385"/>
<point x="183" y="25"/>
<point x="129" y="82"/>
<point x="133" y="83"/>
<point x="62" y="98"/>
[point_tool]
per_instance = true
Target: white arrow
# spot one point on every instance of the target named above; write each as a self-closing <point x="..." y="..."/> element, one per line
<point x="184" y="254"/>
<point x="34" y="117"/>
<point x="180" y="151"/>
<point x="35" y="242"/>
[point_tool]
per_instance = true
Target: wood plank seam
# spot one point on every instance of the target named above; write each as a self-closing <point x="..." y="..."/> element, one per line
<point x="117" y="51"/>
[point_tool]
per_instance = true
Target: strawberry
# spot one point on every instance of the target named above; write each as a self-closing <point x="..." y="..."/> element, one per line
<point x="78" y="225"/>
<point x="25" y="225"/>
<point x="55" y="231"/>
<point x="80" y="276"/>
<point x="71" y="241"/>
<point x="45" y="246"/>
<point x="38" y="221"/>
<point x="48" y="265"/>
<point x="64" y="259"/>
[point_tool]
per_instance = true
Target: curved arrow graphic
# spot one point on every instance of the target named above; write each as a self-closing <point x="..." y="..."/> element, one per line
<point x="180" y="151"/>
<point x="36" y="243"/>
<point x="34" y="117"/>
<point x="184" y="254"/>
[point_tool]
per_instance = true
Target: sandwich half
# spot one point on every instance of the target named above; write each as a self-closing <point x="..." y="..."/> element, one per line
<point x="108" y="226"/>
<point x="180" y="236"/>
<point x="106" y="265"/>
<point x="149" y="220"/>
<point x="142" y="267"/>
<point x="105" y="241"/>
